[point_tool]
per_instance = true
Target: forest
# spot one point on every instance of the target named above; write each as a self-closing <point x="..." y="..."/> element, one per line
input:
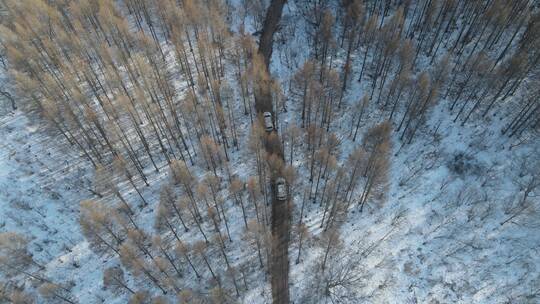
<point x="269" y="151"/>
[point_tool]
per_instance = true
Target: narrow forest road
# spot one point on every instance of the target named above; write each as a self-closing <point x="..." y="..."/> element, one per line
<point x="279" y="264"/>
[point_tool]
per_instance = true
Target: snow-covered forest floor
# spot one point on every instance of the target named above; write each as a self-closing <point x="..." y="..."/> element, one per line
<point x="438" y="237"/>
<point x="448" y="232"/>
<point x="456" y="227"/>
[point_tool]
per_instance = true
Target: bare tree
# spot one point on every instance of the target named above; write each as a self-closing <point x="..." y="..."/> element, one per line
<point x="183" y="249"/>
<point x="331" y="243"/>
<point x="14" y="255"/>
<point x="130" y="258"/>
<point x="338" y="283"/>
<point x="113" y="277"/>
<point x="200" y="248"/>
<point x="302" y="233"/>
<point x="255" y="235"/>
<point x="10" y="293"/>
<point x="377" y="145"/>
<point x="98" y="227"/>
<point x="528" y="181"/>
<point x="54" y="292"/>
<point x="236" y="189"/>
<point x="140" y="297"/>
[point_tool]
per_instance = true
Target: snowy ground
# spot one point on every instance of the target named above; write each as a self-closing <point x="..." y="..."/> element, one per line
<point x="439" y="238"/>
<point x="448" y="246"/>
<point x="39" y="182"/>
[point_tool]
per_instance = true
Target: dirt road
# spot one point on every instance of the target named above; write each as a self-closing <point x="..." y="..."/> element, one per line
<point x="279" y="264"/>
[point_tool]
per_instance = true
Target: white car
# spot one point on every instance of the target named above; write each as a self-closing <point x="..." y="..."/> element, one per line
<point x="268" y="122"/>
<point x="281" y="189"/>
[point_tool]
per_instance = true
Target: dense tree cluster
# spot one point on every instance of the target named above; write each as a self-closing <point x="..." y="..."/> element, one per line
<point x="161" y="92"/>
